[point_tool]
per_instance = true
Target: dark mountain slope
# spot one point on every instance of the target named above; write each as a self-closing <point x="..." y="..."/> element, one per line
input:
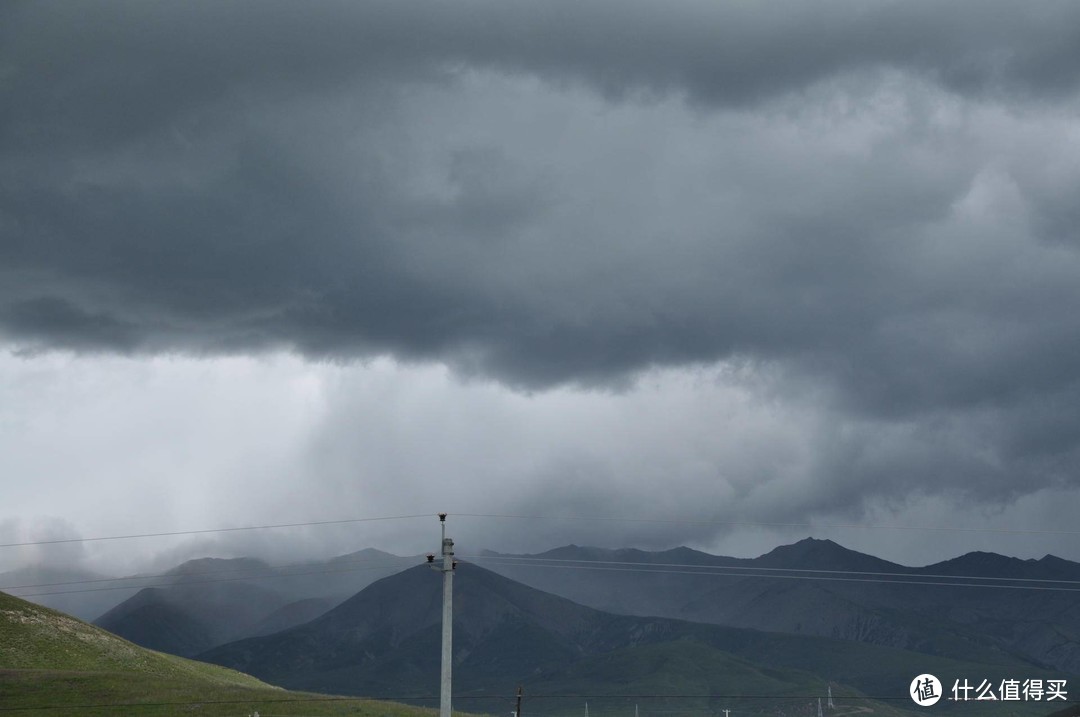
<point x="385" y="640"/>
<point x="384" y="624"/>
<point x="187" y="619"/>
<point x="211" y="601"/>
<point x="608" y="579"/>
<point x="295" y="613"/>
<point x="151" y="620"/>
<point x="818" y="587"/>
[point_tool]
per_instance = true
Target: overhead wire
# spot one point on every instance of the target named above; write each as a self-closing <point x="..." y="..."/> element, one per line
<point x="763" y="524"/>
<point x="175" y="533"/>
<point x="184" y="583"/>
<point x="266" y="570"/>
<point x="585" y="518"/>
<point x="913" y="577"/>
<point x="275" y="572"/>
<point x="538" y="561"/>
<point x="819" y="577"/>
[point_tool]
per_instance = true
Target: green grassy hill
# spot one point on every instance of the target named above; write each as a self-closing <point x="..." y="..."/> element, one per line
<point x="53" y="664"/>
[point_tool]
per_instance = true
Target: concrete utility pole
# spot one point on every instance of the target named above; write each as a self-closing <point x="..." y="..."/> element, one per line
<point x="447" y="569"/>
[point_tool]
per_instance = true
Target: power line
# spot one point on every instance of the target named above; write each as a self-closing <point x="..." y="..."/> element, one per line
<point x="611" y="566"/>
<point x="580" y="518"/>
<point x="816" y="577"/>
<point x="213" y="530"/>
<point x="531" y="559"/>
<point x="760" y="524"/>
<point x="263" y="573"/>
<point x="184" y="583"/>
<point x="913" y="578"/>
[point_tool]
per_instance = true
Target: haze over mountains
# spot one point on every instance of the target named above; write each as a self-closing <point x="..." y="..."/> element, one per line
<point x="74" y="591"/>
<point x="967" y="606"/>
<point x="573" y="618"/>
<point x="204" y="603"/>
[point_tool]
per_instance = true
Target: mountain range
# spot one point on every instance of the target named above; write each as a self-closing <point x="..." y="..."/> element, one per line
<point x="207" y="602"/>
<point x="89" y="595"/>
<point x="579" y="620"/>
<point x="384" y="642"/>
<point x="976" y="605"/>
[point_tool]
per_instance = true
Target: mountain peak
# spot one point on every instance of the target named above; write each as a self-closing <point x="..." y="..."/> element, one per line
<point x="382" y="603"/>
<point x="824" y="554"/>
<point x="979" y="562"/>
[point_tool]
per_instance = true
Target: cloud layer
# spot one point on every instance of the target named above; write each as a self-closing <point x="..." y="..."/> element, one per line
<point x="867" y="207"/>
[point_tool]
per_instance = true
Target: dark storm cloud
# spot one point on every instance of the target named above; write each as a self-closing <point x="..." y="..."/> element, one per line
<point x="123" y="67"/>
<point x="872" y="197"/>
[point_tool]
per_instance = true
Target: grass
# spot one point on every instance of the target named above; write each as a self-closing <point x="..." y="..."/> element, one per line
<point x="59" y="692"/>
<point x="52" y="664"/>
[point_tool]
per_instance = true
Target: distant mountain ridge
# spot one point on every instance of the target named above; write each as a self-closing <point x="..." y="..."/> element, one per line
<point x="811" y="587"/>
<point x="211" y="601"/>
<point x="385" y="640"/>
<point x="819" y="587"/>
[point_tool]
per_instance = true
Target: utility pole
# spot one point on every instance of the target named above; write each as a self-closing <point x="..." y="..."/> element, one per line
<point x="447" y="569"/>
<point x="520" y="694"/>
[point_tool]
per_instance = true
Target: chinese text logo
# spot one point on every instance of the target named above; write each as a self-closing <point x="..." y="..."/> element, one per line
<point x="926" y="690"/>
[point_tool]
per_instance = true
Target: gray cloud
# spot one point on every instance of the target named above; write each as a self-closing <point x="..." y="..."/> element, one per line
<point x="157" y="62"/>
<point x="870" y="203"/>
<point x="47" y="536"/>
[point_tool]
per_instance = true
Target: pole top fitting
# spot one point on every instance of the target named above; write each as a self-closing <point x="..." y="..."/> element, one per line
<point x="442" y="517"/>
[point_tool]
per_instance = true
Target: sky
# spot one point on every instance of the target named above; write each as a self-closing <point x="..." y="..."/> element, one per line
<point x="647" y="274"/>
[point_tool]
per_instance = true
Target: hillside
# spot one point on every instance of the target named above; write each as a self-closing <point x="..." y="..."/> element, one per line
<point x="188" y="619"/>
<point x="54" y="664"/>
<point x="33" y="637"/>
<point x="385" y="640"/>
